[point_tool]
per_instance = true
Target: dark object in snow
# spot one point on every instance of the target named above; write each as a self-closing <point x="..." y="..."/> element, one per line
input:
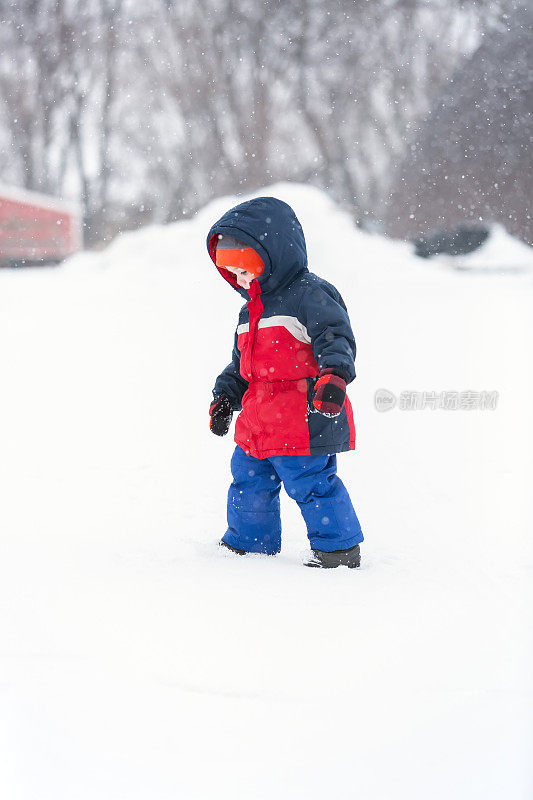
<point x="221" y="413"/>
<point x="464" y="239"/>
<point x="337" y="558"/>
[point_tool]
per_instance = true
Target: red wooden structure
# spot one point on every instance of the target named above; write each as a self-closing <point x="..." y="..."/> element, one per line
<point x="36" y="228"/>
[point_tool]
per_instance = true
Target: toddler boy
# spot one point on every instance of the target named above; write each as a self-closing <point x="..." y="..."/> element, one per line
<point x="293" y="355"/>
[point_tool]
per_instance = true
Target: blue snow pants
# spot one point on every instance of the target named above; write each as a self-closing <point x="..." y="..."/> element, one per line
<point x="254" y="522"/>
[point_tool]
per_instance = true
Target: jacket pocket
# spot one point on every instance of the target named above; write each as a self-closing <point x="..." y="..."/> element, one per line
<point x="250" y="409"/>
<point x="281" y="408"/>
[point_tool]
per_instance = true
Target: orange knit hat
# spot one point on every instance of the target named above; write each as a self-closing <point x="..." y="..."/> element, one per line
<point x="234" y="253"/>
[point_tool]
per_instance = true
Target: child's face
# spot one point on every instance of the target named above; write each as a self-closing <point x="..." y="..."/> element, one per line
<point x="244" y="278"/>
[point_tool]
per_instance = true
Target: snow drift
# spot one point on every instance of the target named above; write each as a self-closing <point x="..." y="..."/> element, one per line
<point x="137" y="661"/>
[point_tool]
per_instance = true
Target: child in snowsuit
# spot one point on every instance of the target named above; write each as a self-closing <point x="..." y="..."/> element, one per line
<point x="293" y="355"/>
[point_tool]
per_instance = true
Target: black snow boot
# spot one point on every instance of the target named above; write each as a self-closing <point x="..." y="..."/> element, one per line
<point x="337" y="558"/>
<point x="222" y="543"/>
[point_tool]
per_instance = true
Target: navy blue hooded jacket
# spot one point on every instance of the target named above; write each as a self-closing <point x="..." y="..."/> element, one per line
<point x="292" y="325"/>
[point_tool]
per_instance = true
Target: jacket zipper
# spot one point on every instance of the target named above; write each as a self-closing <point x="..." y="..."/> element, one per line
<point x="255" y="309"/>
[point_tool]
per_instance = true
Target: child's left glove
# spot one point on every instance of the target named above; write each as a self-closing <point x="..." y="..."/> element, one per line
<point x="330" y="393"/>
<point x="220" y="412"/>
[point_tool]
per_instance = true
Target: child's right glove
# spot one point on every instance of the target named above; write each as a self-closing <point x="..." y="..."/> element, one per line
<point x="221" y="413"/>
<point x="330" y="393"/>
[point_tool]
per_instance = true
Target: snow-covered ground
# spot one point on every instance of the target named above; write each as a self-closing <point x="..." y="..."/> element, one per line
<point x="136" y="661"/>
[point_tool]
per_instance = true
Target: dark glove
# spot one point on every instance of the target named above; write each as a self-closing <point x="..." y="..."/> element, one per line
<point x="330" y="392"/>
<point x="221" y="413"/>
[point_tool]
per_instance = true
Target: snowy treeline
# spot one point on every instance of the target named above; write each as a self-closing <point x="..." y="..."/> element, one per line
<point x="145" y="110"/>
<point x="470" y="157"/>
